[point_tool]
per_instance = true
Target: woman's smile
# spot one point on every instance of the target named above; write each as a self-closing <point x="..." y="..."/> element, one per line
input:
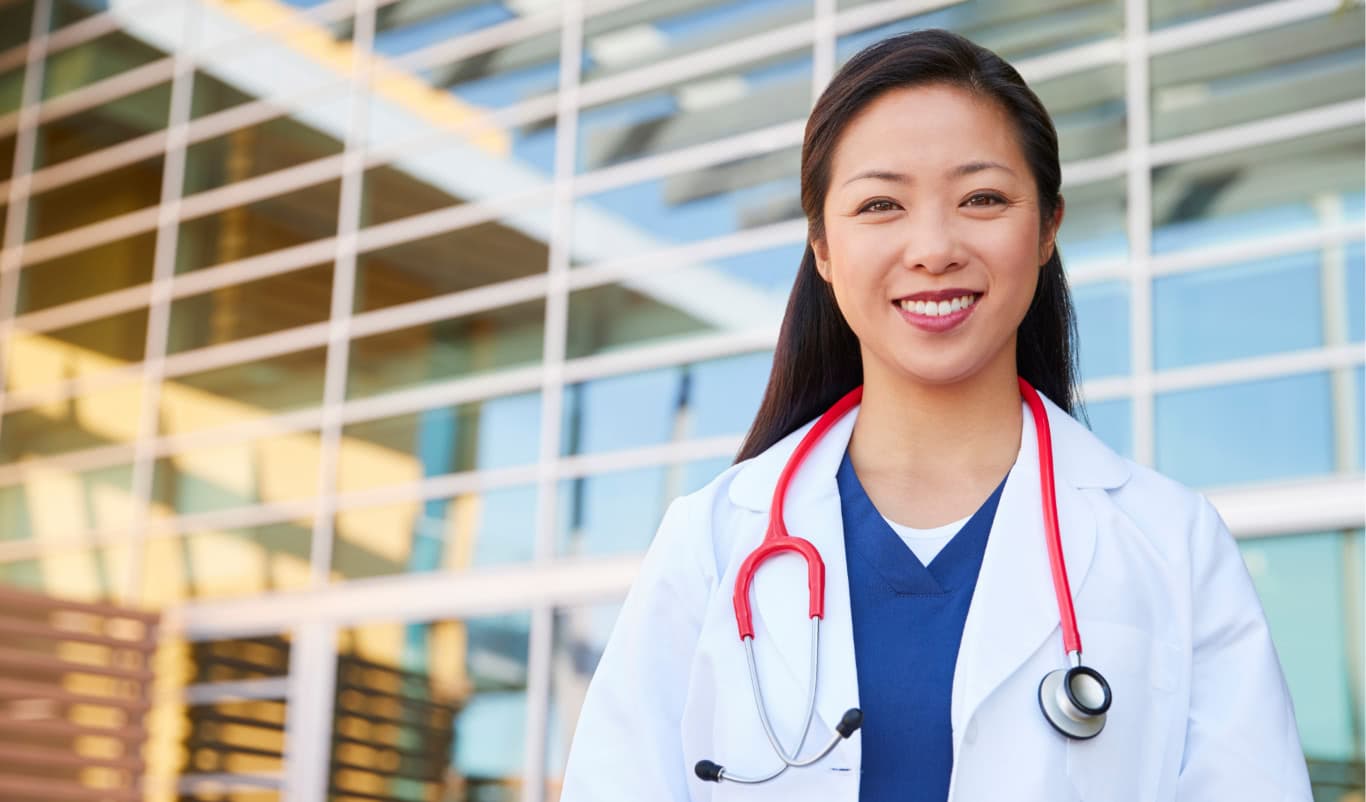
<point x="939" y="311"/>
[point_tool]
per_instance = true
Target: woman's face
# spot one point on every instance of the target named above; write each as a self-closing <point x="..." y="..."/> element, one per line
<point x="932" y="234"/>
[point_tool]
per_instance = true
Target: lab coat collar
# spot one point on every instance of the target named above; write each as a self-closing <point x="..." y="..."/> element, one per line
<point x="1013" y="610"/>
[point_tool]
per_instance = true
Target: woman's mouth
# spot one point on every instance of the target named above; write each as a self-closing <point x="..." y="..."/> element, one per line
<point x="938" y="311"/>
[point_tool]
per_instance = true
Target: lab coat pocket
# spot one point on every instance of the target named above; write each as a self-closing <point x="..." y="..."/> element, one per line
<point x="1126" y="761"/>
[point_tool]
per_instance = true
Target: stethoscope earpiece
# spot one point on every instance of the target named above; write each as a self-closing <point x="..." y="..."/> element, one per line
<point x="1075" y="701"/>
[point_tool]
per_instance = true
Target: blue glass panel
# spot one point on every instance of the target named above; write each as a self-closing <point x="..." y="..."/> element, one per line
<point x="1112" y="422"/>
<point x="629" y="411"/>
<point x="394" y="38"/>
<point x="725" y="393"/>
<point x="1261" y="307"/>
<point x="1355" y="299"/>
<point x="1359" y="415"/>
<point x="1095" y="224"/>
<point x="696" y="475"/>
<point x="1102" y="328"/>
<point x="1310" y="586"/>
<point x="614" y="513"/>
<point x="1250" y="432"/>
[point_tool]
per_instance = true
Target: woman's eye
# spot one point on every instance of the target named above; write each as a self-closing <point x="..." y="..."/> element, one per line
<point x="877" y="206"/>
<point x="985" y="196"/>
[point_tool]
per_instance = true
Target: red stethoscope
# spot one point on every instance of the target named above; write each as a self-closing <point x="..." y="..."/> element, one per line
<point x="1074" y="700"/>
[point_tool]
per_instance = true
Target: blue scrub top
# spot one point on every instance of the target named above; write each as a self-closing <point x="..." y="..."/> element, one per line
<point x="908" y="623"/>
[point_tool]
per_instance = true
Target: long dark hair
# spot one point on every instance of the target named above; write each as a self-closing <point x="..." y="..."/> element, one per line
<point x="817" y="359"/>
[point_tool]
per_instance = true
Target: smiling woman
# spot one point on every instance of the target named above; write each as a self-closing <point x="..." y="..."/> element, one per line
<point x="946" y="526"/>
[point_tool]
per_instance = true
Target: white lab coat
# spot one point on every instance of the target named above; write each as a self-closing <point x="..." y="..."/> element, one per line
<point x="1165" y="607"/>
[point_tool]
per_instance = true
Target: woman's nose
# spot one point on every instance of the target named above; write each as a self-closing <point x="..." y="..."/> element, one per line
<point x="930" y="244"/>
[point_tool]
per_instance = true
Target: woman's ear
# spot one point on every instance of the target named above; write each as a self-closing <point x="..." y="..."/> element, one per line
<point x="822" y="254"/>
<point x="1048" y="241"/>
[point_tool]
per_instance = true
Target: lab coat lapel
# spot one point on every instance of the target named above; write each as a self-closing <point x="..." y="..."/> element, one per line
<point x="1014" y="608"/>
<point x="782" y="628"/>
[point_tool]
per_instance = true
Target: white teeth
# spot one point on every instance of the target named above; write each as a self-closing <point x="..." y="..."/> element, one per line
<point x="935" y="309"/>
<point x="920" y="307"/>
<point x="945" y="307"/>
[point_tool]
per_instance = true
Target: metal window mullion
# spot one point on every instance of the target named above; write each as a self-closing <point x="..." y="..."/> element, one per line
<point x="1139" y="223"/>
<point x="308" y="708"/>
<point x="16" y="214"/>
<point x="823" y="52"/>
<point x="542" y="633"/>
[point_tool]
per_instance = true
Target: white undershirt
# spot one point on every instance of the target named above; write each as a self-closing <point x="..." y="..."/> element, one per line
<point x="926" y="543"/>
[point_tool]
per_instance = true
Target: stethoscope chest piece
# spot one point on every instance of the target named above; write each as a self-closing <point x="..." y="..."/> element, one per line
<point x="1075" y="701"/>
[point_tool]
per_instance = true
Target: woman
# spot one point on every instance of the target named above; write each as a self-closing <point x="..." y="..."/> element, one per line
<point x="930" y="183"/>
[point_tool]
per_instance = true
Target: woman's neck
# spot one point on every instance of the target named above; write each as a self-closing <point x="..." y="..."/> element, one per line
<point x="930" y="454"/>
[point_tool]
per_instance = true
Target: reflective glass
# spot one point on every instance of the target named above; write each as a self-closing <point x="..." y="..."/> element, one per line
<point x="437" y="707"/>
<point x="226" y="563"/>
<point x="88" y="574"/>
<point x="495" y="433"/>
<point x="99" y="197"/>
<point x="580" y="637"/>
<point x="53" y="502"/>
<point x="1112" y="422"/>
<point x="732" y="293"/>
<point x="1088" y="111"/>
<point x="438" y="88"/>
<point x="1310" y="587"/>
<point x="1305" y="64"/>
<point x="66" y="12"/>
<point x="686" y="207"/>
<point x="484" y="342"/>
<point x="263" y="306"/>
<point x="84" y="274"/>
<point x="209" y="95"/>
<point x="1165" y="13"/>
<point x="108" y="124"/>
<point x="467" y="531"/>
<point x="1094" y="225"/>
<point x="619" y="512"/>
<point x="16" y="21"/>
<point x="1280" y="188"/>
<point x="256" y="150"/>
<point x="705" y="399"/>
<point x="11" y="95"/>
<point x="1353" y="289"/>
<point x="1261" y="307"/>
<point x="103" y="417"/>
<point x="42" y="358"/>
<point x="458" y="169"/>
<point x="1012" y="29"/>
<point x="646" y="33"/>
<point x="1253" y="431"/>
<point x="299" y="55"/>
<point x="474" y="256"/>
<point x="254" y="389"/>
<point x="259" y="227"/>
<point x="95" y="60"/>
<point x="261" y="470"/>
<point x="712" y="106"/>
<point x="1357" y="444"/>
<point x="1102" y="328"/>
<point x="406" y="26"/>
<point x="6" y="157"/>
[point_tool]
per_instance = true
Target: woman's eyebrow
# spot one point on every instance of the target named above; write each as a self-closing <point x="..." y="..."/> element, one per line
<point x="967" y="168"/>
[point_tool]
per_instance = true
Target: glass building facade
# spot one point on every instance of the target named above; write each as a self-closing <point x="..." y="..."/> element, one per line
<point x="368" y="339"/>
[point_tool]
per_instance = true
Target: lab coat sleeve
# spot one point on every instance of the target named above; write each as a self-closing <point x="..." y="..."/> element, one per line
<point x="1241" y="738"/>
<point x="627" y="744"/>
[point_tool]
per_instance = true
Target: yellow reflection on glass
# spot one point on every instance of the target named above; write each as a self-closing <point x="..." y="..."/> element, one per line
<point x="266" y="469"/>
<point x="227" y="563"/>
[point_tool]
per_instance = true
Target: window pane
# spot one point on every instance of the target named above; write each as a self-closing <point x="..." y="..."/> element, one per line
<point x="463" y="259"/>
<point x="1353" y="290"/>
<point x="1165" y="13"/>
<point x="1088" y="111"/>
<point x="1112" y="422"/>
<point x="1095" y="225"/>
<point x="253" y="389"/>
<point x="258" y="149"/>
<point x="1250" y="432"/>
<point x="643" y="34"/>
<point x="103" y="417"/>
<point x="84" y="274"/>
<point x="448" y="349"/>
<point x="95" y="60"/>
<point x="116" y="121"/>
<point x="732" y="293"/>
<point x="209" y="95"/>
<point x="238" y="311"/>
<point x="42" y="358"/>
<point x="6" y="149"/>
<point x="259" y="227"/>
<point x="54" y="502"/>
<point x="1260" y="307"/>
<point x="267" y="469"/>
<point x="1271" y="189"/>
<point x="580" y="637"/>
<point x="496" y="433"/>
<point x="228" y="563"/>
<point x="688" y="207"/>
<point x="1289" y="68"/>
<point x="1310" y="586"/>
<point x="410" y="25"/>
<point x="449" y="696"/>
<point x="16" y="21"/>
<point x="121" y="190"/>
<point x="619" y="512"/>
<point x="470" y="530"/>
<point x="11" y="94"/>
<point x="1013" y="30"/>
<point x="731" y="101"/>
<point x="82" y="574"/>
<point x="1102" y="328"/>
